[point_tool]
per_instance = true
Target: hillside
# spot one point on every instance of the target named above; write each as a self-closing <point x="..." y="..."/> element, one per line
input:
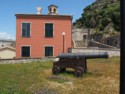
<point x="102" y="15"/>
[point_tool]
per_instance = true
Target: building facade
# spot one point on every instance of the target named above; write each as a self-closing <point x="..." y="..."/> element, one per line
<point x="10" y="43"/>
<point x="80" y="36"/>
<point x="40" y="35"/>
<point x="112" y="41"/>
<point x="108" y="40"/>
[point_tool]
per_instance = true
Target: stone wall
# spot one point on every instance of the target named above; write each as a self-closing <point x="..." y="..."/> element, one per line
<point x="99" y="45"/>
<point x="111" y="52"/>
<point x="25" y="60"/>
<point x="80" y="34"/>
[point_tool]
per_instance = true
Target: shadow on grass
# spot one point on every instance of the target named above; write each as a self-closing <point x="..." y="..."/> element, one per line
<point x="70" y="73"/>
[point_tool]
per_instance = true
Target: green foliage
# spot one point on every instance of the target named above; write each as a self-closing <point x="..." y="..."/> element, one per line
<point x="101" y="14"/>
<point x="20" y="78"/>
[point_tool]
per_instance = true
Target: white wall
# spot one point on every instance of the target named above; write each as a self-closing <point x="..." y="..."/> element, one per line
<point x="111" y="52"/>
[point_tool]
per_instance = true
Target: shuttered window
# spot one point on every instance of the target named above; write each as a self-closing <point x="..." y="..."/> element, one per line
<point x="48" y="51"/>
<point x="48" y="30"/>
<point x="25" y="51"/>
<point x="25" y="29"/>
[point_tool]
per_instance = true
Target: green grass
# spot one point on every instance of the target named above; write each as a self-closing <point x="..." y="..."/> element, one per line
<point x="28" y="78"/>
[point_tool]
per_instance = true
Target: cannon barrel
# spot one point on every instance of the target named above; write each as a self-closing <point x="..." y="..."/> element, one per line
<point x="86" y="55"/>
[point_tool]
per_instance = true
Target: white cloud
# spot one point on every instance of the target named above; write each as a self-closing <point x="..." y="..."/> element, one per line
<point x="5" y="35"/>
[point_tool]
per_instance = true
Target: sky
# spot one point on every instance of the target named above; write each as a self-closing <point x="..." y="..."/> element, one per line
<point x="8" y="9"/>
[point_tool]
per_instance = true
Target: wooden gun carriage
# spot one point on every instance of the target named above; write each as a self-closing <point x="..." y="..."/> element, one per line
<point x="76" y="61"/>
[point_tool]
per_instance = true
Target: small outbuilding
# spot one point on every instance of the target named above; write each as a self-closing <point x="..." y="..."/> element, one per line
<point x="7" y="52"/>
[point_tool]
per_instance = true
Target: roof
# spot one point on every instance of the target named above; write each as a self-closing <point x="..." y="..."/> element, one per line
<point x="52" y="5"/>
<point x="7" y="47"/>
<point x="41" y="15"/>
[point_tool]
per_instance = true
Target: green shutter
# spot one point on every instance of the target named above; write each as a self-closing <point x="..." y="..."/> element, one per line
<point x="25" y="29"/>
<point x="48" y="30"/>
<point x="48" y="51"/>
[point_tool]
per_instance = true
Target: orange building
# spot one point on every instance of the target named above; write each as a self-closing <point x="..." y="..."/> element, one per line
<point x="39" y="35"/>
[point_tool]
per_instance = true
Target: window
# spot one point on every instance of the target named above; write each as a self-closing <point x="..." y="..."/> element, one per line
<point x="54" y="10"/>
<point x="25" y="29"/>
<point x="84" y="37"/>
<point x="48" y="51"/>
<point x="50" y="10"/>
<point x="49" y="30"/>
<point x="25" y="51"/>
<point x="108" y="42"/>
<point x="115" y="42"/>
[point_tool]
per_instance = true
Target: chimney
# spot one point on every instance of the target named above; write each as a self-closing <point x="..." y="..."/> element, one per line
<point x="39" y="10"/>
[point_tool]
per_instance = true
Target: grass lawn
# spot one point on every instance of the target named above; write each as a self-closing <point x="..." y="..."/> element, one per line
<point x="30" y="78"/>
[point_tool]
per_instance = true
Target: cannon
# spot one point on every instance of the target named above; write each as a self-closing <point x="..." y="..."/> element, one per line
<point x="76" y="61"/>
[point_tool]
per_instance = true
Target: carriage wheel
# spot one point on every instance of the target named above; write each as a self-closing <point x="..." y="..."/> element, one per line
<point x="55" y="70"/>
<point x="79" y="72"/>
